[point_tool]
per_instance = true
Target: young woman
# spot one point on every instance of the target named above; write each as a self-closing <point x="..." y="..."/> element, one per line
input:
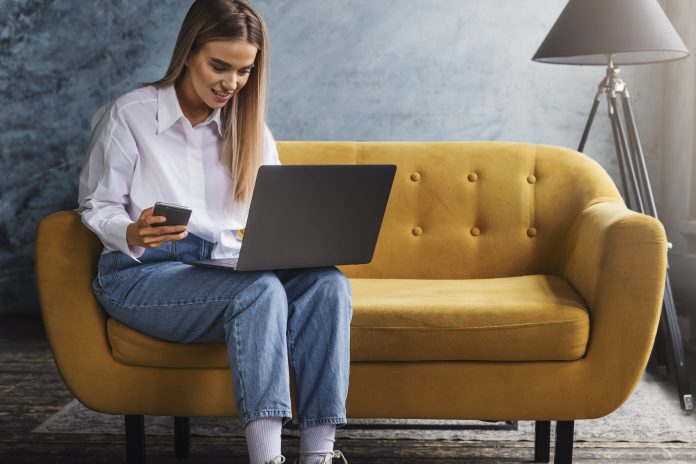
<point x="196" y="137"/>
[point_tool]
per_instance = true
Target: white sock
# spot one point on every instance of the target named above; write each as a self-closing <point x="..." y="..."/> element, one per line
<point x="317" y="439"/>
<point x="263" y="438"/>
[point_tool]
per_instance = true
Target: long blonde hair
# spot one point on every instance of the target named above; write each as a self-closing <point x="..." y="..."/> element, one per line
<point x="243" y="118"/>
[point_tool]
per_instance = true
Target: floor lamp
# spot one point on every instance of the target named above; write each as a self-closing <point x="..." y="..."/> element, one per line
<point x="612" y="33"/>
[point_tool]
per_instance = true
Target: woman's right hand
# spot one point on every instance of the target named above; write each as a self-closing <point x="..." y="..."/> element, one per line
<point x="142" y="234"/>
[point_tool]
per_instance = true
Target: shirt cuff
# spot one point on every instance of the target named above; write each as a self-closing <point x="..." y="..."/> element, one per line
<point x="116" y="229"/>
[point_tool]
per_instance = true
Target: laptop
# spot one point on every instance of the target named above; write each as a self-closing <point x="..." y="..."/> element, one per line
<point x="304" y="216"/>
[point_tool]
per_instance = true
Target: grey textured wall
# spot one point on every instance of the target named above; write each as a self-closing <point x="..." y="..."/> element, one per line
<point x="340" y="70"/>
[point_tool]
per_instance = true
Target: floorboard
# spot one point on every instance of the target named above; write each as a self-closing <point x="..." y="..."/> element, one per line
<point x="31" y="390"/>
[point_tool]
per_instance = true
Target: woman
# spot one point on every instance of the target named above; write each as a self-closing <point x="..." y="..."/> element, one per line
<point x="196" y="137"/>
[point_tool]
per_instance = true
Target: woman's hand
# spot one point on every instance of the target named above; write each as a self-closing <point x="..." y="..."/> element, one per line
<point x="142" y="234"/>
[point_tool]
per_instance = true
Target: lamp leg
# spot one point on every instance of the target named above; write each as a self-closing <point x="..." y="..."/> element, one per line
<point x="632" y="131"/>
<point x="620" y="150"/>
<point x="675" y="355"/>
<point x="625" y="155"/>
<point x="590" y="119"/>
<point x="638" y="158"/>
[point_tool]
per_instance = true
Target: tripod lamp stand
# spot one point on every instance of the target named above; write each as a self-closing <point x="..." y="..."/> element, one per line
<point x="612" y="33"/>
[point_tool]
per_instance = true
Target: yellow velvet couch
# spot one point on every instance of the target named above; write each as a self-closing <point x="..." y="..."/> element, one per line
<point x="509" y="281"/>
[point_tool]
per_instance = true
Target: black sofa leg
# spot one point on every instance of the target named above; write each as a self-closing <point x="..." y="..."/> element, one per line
<point x="135" y="439"/>
<point x="563" y="453"/>
<point x="182" y="433"/>
<point x="542" y="440"/>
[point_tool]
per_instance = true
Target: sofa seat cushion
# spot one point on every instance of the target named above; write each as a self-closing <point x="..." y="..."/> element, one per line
<point x="526" y="318"/>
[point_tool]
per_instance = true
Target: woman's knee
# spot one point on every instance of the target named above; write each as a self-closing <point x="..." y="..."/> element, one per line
<point x="333" y="287"/>
<point x="334" y="281"/>
<point x="265" y="293"/>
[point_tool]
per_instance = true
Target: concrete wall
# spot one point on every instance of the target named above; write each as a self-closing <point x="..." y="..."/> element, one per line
<point x="340" y="70"/>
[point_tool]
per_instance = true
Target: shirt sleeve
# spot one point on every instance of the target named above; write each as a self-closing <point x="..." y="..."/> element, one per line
<point x="270" y="150"/>
<point x="105" y="180"/>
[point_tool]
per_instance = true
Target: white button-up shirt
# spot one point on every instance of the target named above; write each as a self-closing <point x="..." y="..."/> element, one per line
<point x="144" y="150"/>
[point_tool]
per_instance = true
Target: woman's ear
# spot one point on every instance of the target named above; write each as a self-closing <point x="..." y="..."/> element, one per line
<point x="187" y="61"/>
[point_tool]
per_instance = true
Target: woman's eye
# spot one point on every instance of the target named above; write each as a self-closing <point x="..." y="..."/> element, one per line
<point x="220" y="70"/>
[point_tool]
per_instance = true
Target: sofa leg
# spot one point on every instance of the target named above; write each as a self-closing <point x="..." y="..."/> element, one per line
<point x="564" y="442"/>
<point x="542" y="441"/>
<point x="135" y="439"/>
<point x="182" y="434"/>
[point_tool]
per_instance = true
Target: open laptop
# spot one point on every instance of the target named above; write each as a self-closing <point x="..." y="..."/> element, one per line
<point x="312" y="216"/>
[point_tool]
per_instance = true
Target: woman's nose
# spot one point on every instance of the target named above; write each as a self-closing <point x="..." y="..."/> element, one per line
<point x="230" y="85"/>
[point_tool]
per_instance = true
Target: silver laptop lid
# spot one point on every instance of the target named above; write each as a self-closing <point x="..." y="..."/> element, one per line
<point x="315" y="215"/>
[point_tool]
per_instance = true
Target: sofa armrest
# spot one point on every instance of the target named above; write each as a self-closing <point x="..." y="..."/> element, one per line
<point x="65" y="259"/>
<point x="616" y="260"/>
<point x="65" y="263"/>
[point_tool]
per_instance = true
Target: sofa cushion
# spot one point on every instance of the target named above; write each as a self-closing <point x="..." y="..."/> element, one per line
<point x="525" y="318"/>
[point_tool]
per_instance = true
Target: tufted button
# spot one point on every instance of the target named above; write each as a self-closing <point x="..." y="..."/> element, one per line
<point x="472" y="177"/>
<point x="531" y="179"/>
<point x="417" y="231"/>
<point x="475" y="231"/>
<point x="531" y="231"/>
<point x="415" y="177"/>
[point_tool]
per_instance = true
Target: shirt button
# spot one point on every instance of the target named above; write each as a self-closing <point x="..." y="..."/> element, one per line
<point x="531" y="232"/>
<point x="417" y="231"/>
<point x="415" y="177"/>
<point x="472" y="177"/>
<point x="531" y="179"/>
<point x="475" y="231"/>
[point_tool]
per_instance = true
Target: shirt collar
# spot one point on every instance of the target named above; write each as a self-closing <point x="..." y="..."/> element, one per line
<point x="218" y="121"/>
<point x="169" y="111"/>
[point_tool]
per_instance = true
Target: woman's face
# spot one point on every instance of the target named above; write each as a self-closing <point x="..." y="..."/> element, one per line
<point x="220" y="69"/>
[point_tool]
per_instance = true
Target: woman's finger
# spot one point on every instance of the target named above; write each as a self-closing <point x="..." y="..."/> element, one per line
<point x="162" y="230"/>
<point x="158" y="240"/>
<point x="147" y="211"/>
<point x="155" y="219"/>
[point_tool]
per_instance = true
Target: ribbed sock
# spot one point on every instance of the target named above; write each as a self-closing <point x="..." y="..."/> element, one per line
<point x="316" y="439"/>
<point x="263" y="438"/>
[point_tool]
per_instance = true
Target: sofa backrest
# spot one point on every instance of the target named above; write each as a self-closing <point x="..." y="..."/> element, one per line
<point x="470" y="209"/>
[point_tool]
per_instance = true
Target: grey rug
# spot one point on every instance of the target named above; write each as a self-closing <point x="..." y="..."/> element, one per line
<point x="651" y="414"/>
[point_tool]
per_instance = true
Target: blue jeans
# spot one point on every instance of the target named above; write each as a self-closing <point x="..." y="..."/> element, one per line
<point x="266" y="318"/>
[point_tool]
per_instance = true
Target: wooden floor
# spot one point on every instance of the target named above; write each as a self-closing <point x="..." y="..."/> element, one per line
<point x="31" y="390"/>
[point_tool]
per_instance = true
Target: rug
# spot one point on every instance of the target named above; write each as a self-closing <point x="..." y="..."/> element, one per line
<point x="651" y="415"/>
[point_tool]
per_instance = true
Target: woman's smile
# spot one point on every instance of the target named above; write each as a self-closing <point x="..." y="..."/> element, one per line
<point x="222" y="96"/>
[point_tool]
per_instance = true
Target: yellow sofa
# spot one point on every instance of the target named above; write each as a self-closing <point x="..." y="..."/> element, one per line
<point x="509" y="281"/>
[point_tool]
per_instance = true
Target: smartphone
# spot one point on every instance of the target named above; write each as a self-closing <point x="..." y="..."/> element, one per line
<point x="176" y="215"/>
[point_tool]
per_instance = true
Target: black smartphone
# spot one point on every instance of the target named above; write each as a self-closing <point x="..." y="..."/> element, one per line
<point x="176" y="215"/>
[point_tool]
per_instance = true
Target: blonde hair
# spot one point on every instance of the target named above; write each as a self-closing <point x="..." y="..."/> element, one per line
<point x="243" y="117"/>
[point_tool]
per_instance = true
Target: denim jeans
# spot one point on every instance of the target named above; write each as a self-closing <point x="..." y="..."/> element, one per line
<point x="271" y="321"/>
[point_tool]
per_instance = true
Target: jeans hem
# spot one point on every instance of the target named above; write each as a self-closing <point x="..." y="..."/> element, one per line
<point x="284" y="414"/>
<point x="338" y="420"/>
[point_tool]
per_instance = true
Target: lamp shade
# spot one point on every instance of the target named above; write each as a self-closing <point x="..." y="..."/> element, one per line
<point x="632" y="31"/>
